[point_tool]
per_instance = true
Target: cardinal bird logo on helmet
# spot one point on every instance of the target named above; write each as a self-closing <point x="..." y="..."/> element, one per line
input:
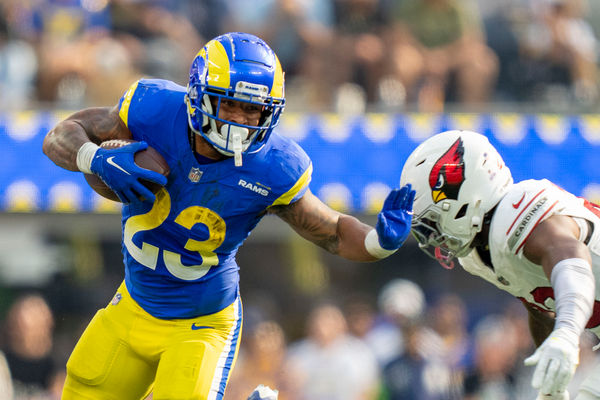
<point x="448" y="173"/>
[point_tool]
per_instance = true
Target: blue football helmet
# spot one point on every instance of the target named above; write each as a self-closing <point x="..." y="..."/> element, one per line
<point x="241" y="67"/>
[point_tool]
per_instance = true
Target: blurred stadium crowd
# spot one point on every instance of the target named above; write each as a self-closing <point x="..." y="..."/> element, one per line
<point x="402" y="347"/>
<point x="339" y="55"/>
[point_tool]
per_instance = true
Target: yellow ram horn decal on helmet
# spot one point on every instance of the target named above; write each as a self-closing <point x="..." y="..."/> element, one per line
<point x="217" y="63"/>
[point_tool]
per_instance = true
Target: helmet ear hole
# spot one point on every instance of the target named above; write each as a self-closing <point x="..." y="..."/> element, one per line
<point x="462" y="212"/>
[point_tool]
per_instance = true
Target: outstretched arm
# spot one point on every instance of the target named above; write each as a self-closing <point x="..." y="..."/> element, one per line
<point x="567" y="264"/>
<point x="345" y="235"/>
<point x="337" y="233"/>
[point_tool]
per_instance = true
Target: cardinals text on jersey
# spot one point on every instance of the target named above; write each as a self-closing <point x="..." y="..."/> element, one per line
<point x="524" y="207"/>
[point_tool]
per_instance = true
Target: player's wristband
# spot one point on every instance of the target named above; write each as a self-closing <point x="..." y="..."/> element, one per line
<point x="374" y="248"/>
<point x="574" y="290"/>
<point x="85" y="155"/>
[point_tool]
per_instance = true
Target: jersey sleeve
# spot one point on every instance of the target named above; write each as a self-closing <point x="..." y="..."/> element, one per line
<point x="297" y="190"/>
<point x="147" y="104"/>
<point x="131" y="105"/>
<point x="294" y="175"/>
<point x="125" y="102"/>
<point x="524" y="208"/>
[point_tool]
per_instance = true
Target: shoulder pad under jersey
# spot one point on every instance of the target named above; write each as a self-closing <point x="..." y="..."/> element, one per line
<point x="290" y="169"/>
<point x="147" y="103"/>
<point x="521" y="210"/>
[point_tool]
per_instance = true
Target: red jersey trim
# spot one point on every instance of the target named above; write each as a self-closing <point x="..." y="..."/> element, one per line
<point x="534" y="226"/>
<point x="524" y="208"/>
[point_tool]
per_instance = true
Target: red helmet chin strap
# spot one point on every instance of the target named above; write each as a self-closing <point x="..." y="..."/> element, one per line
<point x="444" y="260"/>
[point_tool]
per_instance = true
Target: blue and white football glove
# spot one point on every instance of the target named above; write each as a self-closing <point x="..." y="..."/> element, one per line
<point x="116" y="167"/>
<point x="393" y="222"/>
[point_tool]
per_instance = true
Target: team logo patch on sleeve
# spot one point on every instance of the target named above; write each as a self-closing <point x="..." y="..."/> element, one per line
<point x="448" y="173"/>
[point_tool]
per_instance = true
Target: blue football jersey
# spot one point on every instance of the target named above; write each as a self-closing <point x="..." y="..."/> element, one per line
<point x="179" y="252"/>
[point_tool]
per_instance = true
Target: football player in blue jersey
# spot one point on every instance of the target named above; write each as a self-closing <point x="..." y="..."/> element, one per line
<point x="173" y="327"/>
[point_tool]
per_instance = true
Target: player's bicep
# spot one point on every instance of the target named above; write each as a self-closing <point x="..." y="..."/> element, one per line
<point x="101" y="124"/>
<point x="554" y="240"/>
<point x="62" y="143"/>
<point x="312" y="219"/>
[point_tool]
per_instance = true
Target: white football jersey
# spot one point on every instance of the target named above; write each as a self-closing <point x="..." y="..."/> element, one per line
<point x="520" y="211"/>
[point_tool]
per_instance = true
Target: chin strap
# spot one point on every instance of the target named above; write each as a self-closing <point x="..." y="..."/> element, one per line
<point x="230" y="137"/>
<point x="234" y="137"/>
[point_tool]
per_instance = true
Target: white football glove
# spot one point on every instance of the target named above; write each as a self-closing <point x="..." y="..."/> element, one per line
<point x="556" y="361"/>
<point x="559" y="396"/>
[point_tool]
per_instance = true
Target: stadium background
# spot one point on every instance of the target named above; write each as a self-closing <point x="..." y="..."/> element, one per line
<point x="358" y="122"/>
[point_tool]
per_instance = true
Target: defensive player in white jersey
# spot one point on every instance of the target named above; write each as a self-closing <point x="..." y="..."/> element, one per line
<point x="531" y="239"/>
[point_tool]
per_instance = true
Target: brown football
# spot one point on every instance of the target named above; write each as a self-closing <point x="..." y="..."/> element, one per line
<point x="148" y="158"/>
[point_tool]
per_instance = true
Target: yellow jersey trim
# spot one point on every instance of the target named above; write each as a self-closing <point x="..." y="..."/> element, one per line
<point x="299" y="185"/>
<point x="124" y="110"/>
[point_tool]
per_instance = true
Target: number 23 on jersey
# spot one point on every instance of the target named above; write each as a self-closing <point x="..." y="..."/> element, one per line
<point x="148" y="254"/>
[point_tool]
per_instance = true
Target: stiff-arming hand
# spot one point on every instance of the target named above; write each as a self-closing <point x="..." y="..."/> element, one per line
<point x="393" y="222"/>
<point x="116" y="167"/>
<point x="555" y="360"/>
